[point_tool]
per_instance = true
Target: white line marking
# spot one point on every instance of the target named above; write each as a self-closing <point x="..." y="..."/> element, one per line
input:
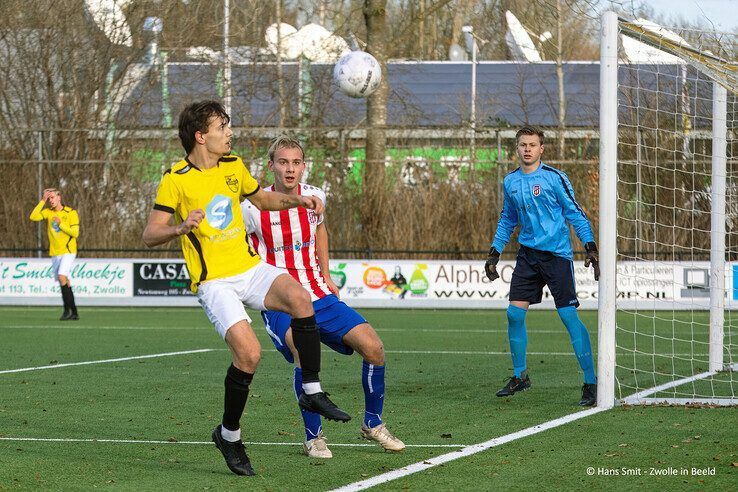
<point x="105" y="361"/>
<point x="401" y="352"/>
<point x="635" y="398"/>
<point x="98" y="327"/>
<point x="717" y="401"/>
<point x="562" y="331"/>
<point x="252" y="443"/>
<point x="465" y="451"/>
<point x="468" y="352"/>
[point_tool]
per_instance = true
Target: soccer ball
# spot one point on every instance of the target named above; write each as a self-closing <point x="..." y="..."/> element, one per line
<point x="357" y="74"/>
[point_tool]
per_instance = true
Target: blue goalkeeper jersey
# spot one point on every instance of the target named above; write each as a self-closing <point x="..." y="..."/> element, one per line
<point x="542" y="202"/>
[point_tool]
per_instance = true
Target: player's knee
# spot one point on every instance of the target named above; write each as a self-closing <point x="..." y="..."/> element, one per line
<point x="63" y="280"/>
<point x="247" y="358"/>
<point x="374" y="353"/>
<point x="515" y="314"/>
<point x="303" y="297"/>
<point x="300" y="303"/>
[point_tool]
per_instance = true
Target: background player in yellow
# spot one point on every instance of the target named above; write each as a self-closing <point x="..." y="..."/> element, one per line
<point x="202" y="193"/>
<point x="62" y="226"/>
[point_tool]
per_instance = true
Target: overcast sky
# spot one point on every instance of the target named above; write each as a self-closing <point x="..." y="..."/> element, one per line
<point x="722" y="13"/>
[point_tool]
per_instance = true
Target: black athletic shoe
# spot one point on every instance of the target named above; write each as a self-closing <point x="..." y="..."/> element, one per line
<point x="514" y="384"/>
<point x="320" y="403"/>
<point x="234" y="454"/>
<point x="589" y="395"/>
<point x="66" y="316"/>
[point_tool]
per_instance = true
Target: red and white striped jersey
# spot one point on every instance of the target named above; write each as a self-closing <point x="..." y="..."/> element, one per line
<point x="286" y="239"/>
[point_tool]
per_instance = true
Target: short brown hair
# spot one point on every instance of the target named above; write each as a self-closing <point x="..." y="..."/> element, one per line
<point x="530" y="130"/>
<point x="284" y="142"/>
<point x="196" y="118"/>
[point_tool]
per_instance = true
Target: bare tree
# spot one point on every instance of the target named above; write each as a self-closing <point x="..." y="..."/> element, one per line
<point x="375" y="18"/>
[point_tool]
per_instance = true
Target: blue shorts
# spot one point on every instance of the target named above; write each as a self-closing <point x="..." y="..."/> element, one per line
<point x="334" y="320"/>
<point x="535" y="269"/>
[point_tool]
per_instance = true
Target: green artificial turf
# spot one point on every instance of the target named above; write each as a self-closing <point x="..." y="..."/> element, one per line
<point x="443" y="368"/>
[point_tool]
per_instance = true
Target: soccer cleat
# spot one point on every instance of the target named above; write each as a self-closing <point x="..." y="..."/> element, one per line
<point x="383" y="436"/>
<point x="317" y="448"/>
<point x="320" y="403"/>
<point x="589" y="395"/>
<point x="234" y="454"/>
<point x="66" y="316"/>
<point x="514" y="384"/>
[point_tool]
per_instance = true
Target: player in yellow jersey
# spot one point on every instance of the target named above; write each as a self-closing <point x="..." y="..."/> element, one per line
<point x="202" y="194"/>
<point x="62" y="226"/>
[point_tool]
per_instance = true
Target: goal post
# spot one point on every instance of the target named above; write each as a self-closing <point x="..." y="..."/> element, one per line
<point x="608" y="202"/>
<point x="668" y="187"/>
<point x="717" y="226"/>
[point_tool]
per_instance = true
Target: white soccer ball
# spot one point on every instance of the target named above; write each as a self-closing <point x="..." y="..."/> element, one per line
<point x="357" y="74"/>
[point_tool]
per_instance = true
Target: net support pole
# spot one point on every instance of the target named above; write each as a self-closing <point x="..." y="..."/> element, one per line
<point x="608" y="207"/>
<point x="717" y="221"/>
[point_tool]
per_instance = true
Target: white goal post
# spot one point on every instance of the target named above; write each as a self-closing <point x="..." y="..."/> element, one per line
<point x="668" y="168"/>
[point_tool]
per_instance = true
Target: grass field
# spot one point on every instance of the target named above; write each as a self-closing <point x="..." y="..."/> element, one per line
<point x="443" y="368"/>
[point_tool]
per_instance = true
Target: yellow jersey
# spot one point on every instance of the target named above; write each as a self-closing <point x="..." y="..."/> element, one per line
<point x="62" y="237"/>
<point x="218" y="247"/>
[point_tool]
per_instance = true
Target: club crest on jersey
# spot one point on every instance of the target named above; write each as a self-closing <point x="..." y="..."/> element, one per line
<point x="312" y="218"/>
<point x="232" y="182"/>
<point x="536" y="190"/>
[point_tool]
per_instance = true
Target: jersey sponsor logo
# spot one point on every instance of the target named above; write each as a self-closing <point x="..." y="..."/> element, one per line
<point x="536" y="190"/>
<point x="219" y="212"/>
<point x="232" y="182"/>
<point x="55" y="226"/>
<point x="296" y="246"/>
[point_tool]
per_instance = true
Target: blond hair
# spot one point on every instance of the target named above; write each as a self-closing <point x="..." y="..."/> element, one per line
<point x="284" y="142"/>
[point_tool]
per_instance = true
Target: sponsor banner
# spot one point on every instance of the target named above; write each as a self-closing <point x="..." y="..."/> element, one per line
<point x="679" y="285"/>
<point x="161" y="278"/>
<point x="90" y="278"/>
<point x="366" y="283"/>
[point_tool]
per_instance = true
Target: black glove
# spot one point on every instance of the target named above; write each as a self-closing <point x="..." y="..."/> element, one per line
<point x="592" y="258"/>
<point x="490" y="266"/>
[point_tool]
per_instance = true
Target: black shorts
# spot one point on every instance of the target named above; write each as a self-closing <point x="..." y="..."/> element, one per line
<point x="534" y="269"/>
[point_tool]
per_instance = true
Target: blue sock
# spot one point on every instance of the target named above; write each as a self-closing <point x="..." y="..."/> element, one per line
<point x="580" y="341"/>
<point x="311" y="420"/>
<point x="372" y="379"/>
<point x="518" y="337"/>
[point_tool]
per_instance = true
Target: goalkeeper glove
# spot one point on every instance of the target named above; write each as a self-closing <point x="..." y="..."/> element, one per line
<point x="490" y="266"/>
<point x="592" y="258"/>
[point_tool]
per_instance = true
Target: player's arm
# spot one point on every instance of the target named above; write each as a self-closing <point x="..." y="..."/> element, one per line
<point x="321" y="251"/>
<point x="36" y="214"/>
<point x="71" y="229"/>
<point x="273" y="200"/>
<point x="574" y="214"/>
<point x="505" y="226"/>
<point x="160" y="230"/>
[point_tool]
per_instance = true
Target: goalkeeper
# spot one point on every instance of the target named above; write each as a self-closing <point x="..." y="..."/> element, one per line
<point x="541" y="200"/>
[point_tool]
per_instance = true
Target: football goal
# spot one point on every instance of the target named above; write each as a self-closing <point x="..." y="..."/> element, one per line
<point x="668" y="217"/>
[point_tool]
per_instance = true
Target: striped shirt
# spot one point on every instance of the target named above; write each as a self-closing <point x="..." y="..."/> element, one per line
<point x="286" y="239"/>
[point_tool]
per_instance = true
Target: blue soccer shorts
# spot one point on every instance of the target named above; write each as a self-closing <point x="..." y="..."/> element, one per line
<point x="535" y="269"/>
<point x="333" y="317"/>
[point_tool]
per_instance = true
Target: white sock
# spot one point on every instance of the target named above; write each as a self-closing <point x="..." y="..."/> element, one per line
<point x="229" y="435"/>
<point x="311" y="388"/>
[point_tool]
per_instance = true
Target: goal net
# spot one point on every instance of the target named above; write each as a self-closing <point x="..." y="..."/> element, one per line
<point x="668" y="215"/>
